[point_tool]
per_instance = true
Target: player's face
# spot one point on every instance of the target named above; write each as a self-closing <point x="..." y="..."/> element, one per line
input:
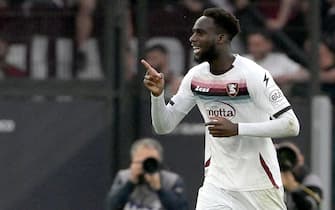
<point x="203" y="40"/>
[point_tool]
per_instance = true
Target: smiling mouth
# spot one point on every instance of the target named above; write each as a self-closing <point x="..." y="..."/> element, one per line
<point x="196" y="50"/>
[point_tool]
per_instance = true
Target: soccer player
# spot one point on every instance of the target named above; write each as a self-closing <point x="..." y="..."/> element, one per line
<point x="242" y="108"/>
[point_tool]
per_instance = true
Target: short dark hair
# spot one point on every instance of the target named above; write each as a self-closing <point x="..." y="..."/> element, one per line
<point x="159" y="47"/>
<point x="225" y="20"/>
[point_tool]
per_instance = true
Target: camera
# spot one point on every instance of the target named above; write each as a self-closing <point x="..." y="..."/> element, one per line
<point x="287" y="158"/>
<point x="151" y="165"/>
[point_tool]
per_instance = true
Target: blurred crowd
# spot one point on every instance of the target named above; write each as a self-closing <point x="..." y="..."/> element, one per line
<point x="60" y="39"/>
<point x="274" y="34"/>
<point x="49" y="39"/>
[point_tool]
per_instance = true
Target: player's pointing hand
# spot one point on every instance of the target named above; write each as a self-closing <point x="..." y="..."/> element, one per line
<point x="153" y="80"/>
<point x="221" y="127"/>
<point x="150" y="70"/>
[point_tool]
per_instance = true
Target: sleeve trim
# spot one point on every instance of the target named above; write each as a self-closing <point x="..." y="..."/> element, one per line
<point x="276" y="115"/>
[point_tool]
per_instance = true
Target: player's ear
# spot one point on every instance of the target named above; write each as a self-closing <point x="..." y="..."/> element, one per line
<point x="221" y="38"/>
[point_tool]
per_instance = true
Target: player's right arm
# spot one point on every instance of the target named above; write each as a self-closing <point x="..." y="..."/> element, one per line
<point x="153" y="80"/>
<point x="166" y="117"/>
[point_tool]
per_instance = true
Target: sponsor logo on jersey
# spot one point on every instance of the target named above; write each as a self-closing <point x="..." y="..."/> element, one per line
<point x="232" y="89"/>
<point x="201" y="89"/>
<point x="220" y="109"/>
<point x="276" y="96"/>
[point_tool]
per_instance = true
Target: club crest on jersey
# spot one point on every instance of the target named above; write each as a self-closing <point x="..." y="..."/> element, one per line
<point x="232" y="89"/>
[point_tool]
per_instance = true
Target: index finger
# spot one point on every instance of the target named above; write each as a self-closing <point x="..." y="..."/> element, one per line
<point x="150" y="69"/>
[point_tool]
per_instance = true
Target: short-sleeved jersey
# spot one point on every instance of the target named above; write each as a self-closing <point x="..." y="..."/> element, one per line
<point x="245" y="94"/>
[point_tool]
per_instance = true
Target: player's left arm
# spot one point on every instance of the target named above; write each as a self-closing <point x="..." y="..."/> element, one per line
<point x="285" y="125"/>
<point x="269" y="97"/>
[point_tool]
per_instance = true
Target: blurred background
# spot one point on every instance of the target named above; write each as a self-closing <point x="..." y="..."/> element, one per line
<point x="72" y="100"/>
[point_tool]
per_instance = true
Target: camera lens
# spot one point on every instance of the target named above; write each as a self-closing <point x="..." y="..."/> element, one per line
<point x="150" y="165"/>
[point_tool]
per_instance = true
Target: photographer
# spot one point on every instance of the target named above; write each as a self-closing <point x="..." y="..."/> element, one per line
<point x="302" y="188"/>
<point x="145" y="185"/>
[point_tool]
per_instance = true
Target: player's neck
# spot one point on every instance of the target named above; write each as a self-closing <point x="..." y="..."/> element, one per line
<point x="222" y="64"/>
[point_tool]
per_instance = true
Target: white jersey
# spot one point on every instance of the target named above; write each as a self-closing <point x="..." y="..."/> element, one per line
<point x="244" y="94"/>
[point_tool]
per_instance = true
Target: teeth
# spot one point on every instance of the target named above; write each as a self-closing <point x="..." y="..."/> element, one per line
<point x="196" y="49"/>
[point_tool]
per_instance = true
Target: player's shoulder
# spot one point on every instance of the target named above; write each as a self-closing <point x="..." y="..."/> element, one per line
<point x="254" y="74"/>
<point x="248" y="66"/>
<point x="199" y="68"/>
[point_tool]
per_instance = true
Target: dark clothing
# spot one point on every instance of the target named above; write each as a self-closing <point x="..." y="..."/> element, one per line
<point x="309" y="194"/>
<point x="127" y="196"/>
